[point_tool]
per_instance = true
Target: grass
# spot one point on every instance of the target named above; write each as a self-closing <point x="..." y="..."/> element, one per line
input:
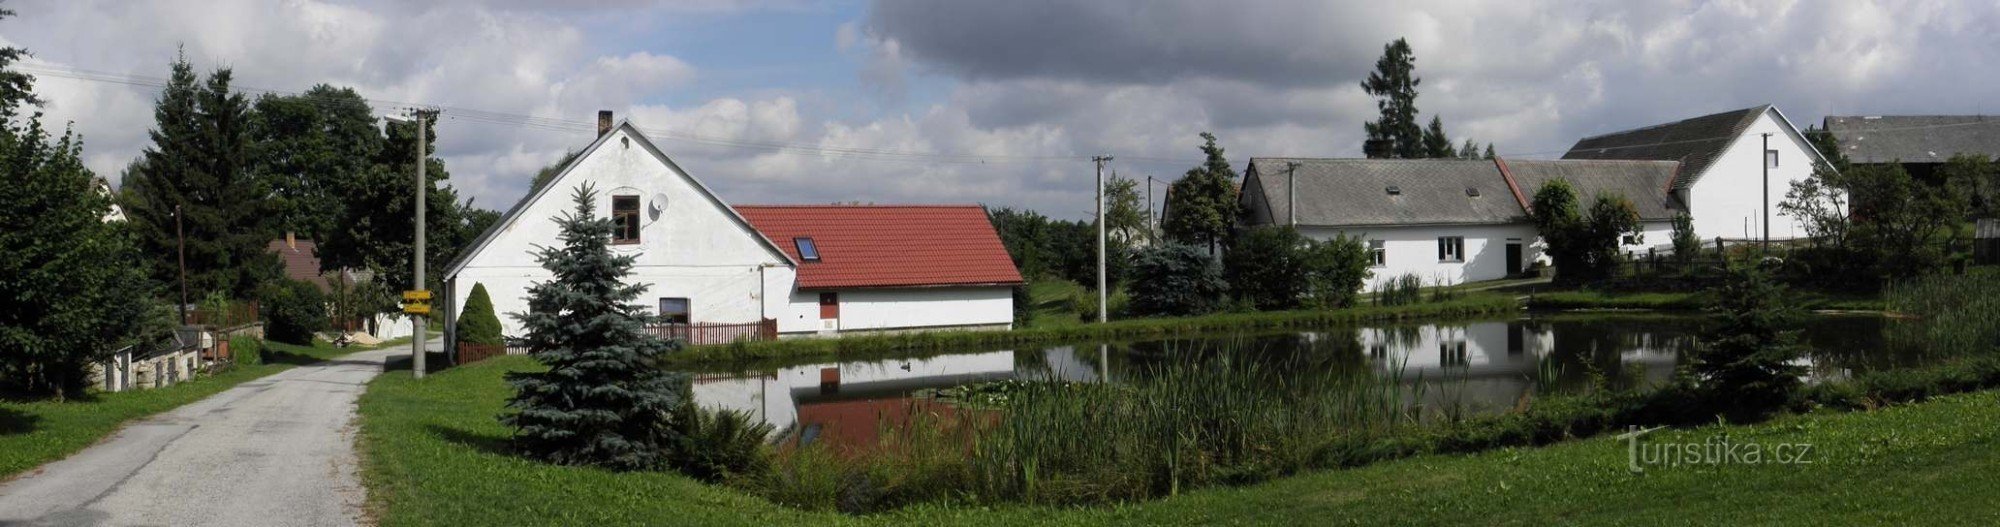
<point x="876" y="346"/>
<point x="435" y="455"/>
<point x="1579" y="299"/>
<point x="36" y="432"/>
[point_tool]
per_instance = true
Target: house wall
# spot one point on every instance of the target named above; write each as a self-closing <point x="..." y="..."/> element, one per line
<point x="1728" y="199"/>
<point x="1655" y="235"/>
<point x="1413" y="250"/>
<point x="902" y="308"/>
<point x="695" y="248"/>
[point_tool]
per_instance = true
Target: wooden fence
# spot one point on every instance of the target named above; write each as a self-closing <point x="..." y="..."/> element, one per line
<point x="470" y="353"/>
<point x="717" y="333"/>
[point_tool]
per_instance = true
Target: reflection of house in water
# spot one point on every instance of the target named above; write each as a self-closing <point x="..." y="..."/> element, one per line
<point x="847" y="403"/>
<point x="1491" y="365"/>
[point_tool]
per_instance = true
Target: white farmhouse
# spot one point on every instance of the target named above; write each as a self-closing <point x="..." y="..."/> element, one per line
<point x="1444" y="220"/>
<point x="712" y="268"/>
<point x="1722" y="183"/>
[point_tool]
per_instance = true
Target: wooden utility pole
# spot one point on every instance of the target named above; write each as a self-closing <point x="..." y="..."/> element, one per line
<point x="1103" y="299"/>
<point x="1767" y="192"/>
<point x="1292" y="192"/>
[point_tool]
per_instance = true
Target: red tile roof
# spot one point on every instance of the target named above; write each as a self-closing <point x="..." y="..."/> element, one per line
<point x="888" y="245"/>
<point x="301" y="262"/>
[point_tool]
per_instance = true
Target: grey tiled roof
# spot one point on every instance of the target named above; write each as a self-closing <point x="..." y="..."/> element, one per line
<point x="1348" y="192"/>
<point x="1643" y="182"/>
<point x="1354" y="192"/>
<point x="1915" y="138"/>
<point x="1694" y="142"/>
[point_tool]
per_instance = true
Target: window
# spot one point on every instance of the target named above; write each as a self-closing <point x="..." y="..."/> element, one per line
<point x="1771" y="158"/>
<point x="808" y="250"/>
<point x="1630" y="239"/>
<point x="1377" y="252"/>
<point x="1452" y="353"/>
<point x="1451" y="248"/>
<point x="674" y="311"/>
<point x="624" y="219"/>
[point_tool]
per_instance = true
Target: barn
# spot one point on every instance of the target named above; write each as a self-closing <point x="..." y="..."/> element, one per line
<point x="717" y="272"/>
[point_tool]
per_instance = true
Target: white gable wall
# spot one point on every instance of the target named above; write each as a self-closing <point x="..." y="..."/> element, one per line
<point x="1413" y="249"/>
<point x="1728" y="200"/>
<point x="696" y="248"/>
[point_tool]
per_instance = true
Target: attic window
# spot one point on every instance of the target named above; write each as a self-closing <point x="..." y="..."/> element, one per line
<point x="807" y="250"/>
<point x="1471" y="192"/>
<point x="1395" y="190"/>
<point x="624" y="220"/>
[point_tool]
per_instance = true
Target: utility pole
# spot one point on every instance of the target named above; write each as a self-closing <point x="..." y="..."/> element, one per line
<point x="1151" y="220"/>
<point x="180" y="246"/>
<point x="1103" y="300"/>
<point x="417" y="295"/>
<point x="1766" y="206"/>
<point x="1292" y="192"/>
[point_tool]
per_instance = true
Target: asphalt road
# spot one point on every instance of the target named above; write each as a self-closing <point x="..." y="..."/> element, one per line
<point x="274" y="451"/>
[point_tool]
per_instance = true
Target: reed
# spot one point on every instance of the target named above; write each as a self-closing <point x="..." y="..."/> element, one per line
<point x="1956" y="313"/>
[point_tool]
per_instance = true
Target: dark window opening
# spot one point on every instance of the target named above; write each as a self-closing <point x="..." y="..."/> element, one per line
<point x="1451" y="249"/>
<point x="675" y="311"/>
<point x="808" y="251"/>
<point x="624" y="219"/>
<point x="1378" y="252"/>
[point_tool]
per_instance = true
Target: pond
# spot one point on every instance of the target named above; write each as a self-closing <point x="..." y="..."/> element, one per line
<point x="1462" y="367"/>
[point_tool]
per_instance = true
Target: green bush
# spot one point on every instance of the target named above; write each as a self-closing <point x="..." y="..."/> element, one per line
<point x="1266" y="266"/>
<point x="293" y="311"/>
<point x="246" y="350"/>
<point x="1174" y="280"/>
<point x="477" y="323"/>
<point x="1746" y="364"/>
<point x="715" y="444"/>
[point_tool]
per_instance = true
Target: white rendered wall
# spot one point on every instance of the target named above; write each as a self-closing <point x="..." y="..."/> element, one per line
<point x="902" y="308"/>
<point x="1727" y="200"/>
<point x="1413" y="250"/>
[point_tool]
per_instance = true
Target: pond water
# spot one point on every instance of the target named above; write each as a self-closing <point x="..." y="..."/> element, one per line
<point x="1474" y="367"/>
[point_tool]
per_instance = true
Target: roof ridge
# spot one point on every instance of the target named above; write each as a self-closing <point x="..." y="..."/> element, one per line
<point x="862" y="206"/>
<point x="1675" y="122"/>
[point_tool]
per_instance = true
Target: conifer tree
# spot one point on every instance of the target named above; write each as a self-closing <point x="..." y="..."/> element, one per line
<point x="1394" y="84"/>
<point x="603" y="400"/>
<point x="477" y="324"/>
<point x="1201" y="205"/>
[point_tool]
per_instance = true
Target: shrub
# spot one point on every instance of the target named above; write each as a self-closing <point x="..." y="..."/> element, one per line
<point x="1401" y="290"/>
<point x="1266" y="266"/>
<point x="1335" y="271"/>
<point x="1584" y="245"/>
<point x="293" y="311"/>
<point x="1175" y="279"/>
<point x="477" y="324"/>
<point x="716" y="444"/>
<point x="246" y="350"/>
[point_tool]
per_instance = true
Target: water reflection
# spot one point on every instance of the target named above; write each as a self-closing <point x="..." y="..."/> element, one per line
<point x="1472" y="367"/>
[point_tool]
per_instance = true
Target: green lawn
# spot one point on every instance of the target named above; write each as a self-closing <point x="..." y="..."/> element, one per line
<point x="34" y="433"/>
<point x="1567" y="299"/>
<point x="434" y="455"/>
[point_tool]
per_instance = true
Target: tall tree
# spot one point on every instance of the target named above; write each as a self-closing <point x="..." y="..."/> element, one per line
<point x="78" y="285"/>
<point x="1394" y="85"/>
<point x="377" y="229"/>
<point x="1437" y="145"/>
<point x="1201" y="205"/>
<point x="1125" y="211"/>
<point x="199" y="163"/>
<point x="603" y="400"/>
<point x="312" y="147"/>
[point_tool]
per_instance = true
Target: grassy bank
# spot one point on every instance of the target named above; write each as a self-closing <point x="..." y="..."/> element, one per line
<point x="434" y="455"/>
<point x="33" y="433"/>
<point x="869" y="346"/>
<point x="1575" y="299"/>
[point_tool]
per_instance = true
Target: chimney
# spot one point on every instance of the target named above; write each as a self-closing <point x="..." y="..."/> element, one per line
<point x="291" y="242"/>
<point x="603" y="122"/>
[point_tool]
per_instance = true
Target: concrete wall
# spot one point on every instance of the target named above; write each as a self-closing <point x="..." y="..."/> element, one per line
<point x="1413" y="250"/>
<point x="1728" y="199"/>
<point x="863" y="310"/>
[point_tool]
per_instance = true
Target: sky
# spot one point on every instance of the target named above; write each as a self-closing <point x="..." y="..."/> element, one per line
<point x="1001" y="103"/>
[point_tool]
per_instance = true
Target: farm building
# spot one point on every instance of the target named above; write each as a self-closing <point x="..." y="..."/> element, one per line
<point x="1920" y="143"/>
<point x="716" y="272"/>
<point x="1722" y="183"/>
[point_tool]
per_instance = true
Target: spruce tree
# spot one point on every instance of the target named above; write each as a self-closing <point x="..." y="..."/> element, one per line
<point x="1201" y="205"/>
<point x="199" y="162"/>
<point x="603" y="400"/>
<point x="1394" y="84"/>
<point x="1437" y="145"/>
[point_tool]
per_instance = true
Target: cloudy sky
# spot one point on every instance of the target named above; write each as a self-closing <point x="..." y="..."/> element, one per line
<point x="801" y="101"/>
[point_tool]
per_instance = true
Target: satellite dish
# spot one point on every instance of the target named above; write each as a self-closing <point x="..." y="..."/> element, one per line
<point x="658" y="205"/>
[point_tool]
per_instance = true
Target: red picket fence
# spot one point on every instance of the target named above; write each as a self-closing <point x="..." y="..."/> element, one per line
<point x="469" y="353"/>
<point x="717" y="333"/>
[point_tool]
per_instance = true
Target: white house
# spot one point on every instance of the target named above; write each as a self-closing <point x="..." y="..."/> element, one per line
<point x="1722" y="183"/>
<point x="1443" y="220"/>
<point x="804" y="270"/>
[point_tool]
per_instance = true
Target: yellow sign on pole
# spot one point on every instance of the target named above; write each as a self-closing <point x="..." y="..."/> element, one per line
<point x="417" y="295"/>
<point x="417" y="308"/>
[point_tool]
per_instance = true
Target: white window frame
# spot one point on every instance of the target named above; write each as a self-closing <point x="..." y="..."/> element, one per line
<point x="1771" y="157"/>
<point x="1451" y="249"/>
<point x="1378" y="251"/>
